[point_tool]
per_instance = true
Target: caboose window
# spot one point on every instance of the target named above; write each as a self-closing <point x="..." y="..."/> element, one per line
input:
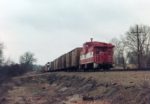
<point x="98" y="50"/>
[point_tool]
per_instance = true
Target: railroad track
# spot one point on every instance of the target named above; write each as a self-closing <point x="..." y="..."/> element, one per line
<point x="99" y="71"/>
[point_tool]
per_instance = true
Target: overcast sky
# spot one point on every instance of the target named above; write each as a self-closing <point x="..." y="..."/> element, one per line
<point x="49" y="28"/>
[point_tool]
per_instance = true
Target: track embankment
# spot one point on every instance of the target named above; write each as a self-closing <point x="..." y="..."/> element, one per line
<point x="80" y="88"/>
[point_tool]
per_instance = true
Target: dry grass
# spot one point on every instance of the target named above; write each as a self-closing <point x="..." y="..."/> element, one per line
<point x="122" y="78"/>
<point x="36" y="88"/>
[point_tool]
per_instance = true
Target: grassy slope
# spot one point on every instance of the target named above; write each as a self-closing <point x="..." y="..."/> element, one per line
<point x="120" y="87"/>
<point x="123" y="78"/>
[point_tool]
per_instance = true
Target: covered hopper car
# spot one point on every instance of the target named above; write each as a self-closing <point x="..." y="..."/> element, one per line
<point x="93" y="55"/>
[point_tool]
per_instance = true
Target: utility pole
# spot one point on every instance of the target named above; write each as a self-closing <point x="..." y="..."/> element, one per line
<point x="137" y="32"/>
<point x="138" y="48"/>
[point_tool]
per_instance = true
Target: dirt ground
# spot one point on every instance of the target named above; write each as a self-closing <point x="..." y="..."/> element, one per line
<point x="78" y="88"/>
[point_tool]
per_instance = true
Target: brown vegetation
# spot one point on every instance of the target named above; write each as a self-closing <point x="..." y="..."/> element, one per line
<point x="79" y="88"/>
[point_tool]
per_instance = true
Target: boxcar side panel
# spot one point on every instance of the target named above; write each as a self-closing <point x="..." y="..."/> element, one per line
<point x="68" y="60"/>
<point x="63" y="61"/>
<point x="75" y="54"/>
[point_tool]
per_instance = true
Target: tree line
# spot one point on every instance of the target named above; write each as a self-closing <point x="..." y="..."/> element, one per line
<point x="133" y="48"/>
<point x="9" y="68"/>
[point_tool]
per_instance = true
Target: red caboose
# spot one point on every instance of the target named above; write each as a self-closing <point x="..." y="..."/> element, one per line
<point x="96" y="55"/>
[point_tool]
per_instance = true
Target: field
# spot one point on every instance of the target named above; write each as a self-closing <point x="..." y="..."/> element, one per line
<point x="129" y="87"/>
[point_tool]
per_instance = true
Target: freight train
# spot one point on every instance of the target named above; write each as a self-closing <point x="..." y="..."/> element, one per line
<point x="93" y="55"/>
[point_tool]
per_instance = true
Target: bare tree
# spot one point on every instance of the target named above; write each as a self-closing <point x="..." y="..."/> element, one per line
<point x="138" y="41"/>
<point x="9" y="62"/>
<point x="27" y="60"/>
<point x="1" y="53"/>
<point x="119" y="52"/>
<point x="132" y="58"/>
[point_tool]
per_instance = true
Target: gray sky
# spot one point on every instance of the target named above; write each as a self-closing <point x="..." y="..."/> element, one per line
<point x="49" y="28"/>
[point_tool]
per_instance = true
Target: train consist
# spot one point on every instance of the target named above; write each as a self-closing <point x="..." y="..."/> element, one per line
<point x="93" y="55"/>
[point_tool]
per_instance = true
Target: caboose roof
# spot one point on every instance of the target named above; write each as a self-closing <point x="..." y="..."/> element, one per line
<point x="98" y="44"/>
